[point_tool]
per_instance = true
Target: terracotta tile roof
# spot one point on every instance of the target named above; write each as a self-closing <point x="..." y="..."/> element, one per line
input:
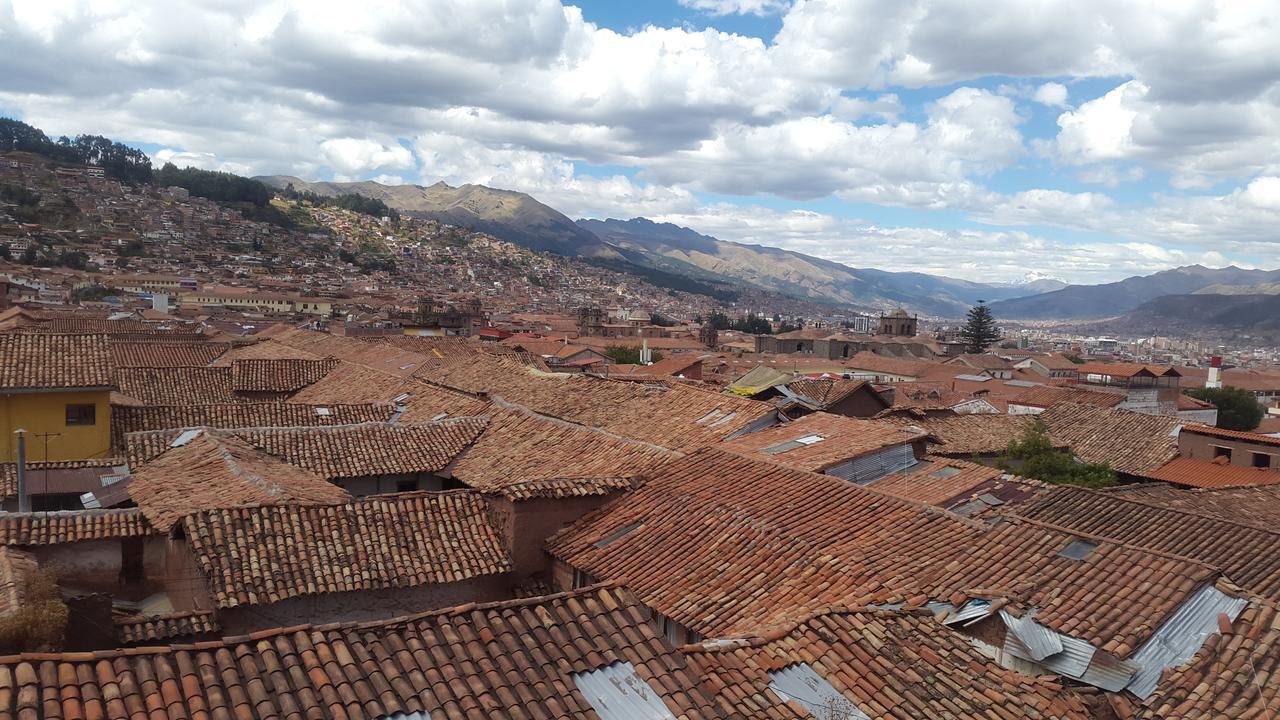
<point x="519" y="449"/>
<point x="212" y="472"/>
<point x="350" y="383"/>
<point x="1257" y="506"/>
<point x="372" y="354"/>
<point x="514" y="659"/>
<point x="926" y="396"/>
<point x="1124" y="369"/>
<point x="550" y="348"/>
<point x="1247" y="555"/>
<point x="38" y="361"/>
<point x="1130" y="442"/>
<point x="985" y="361"/>
<point x="1115" y="598"/>
<point x="71" y="526"/>
<point x="872" y="362"/>
<point x="1234" y="675"/>
<point x="1225" y="434"/>
<point x="564" y="487"/>
<point x="136" y="629"/>
<point x="1186" y="402"/>
<point x="674" y="365"/>
<point x="15" y="567"/>
<point x="339" y="451"/>
<point x="125" y="353"/>
<point x="1044" y="396"/>
<point x="772" y="544"/>
<point x="983" y="434"/>
<point x="829" y="440"/>
<point x="888" y="664"/>
<point x="826" y="392"/>
<point x="126" y="419"/>
<point x="283" y="376"/>
<point x="263" y="350"/>
<point x="1217" y="473"/>
<point x="937" y="480"/>
<point x="176" y="385"/>
<point x="1054" y="361"/>
<point x="121" y="329"/>
<point x="676" y="416"/>
<point x="255" y="555"/>
<point x="768" y="547"/>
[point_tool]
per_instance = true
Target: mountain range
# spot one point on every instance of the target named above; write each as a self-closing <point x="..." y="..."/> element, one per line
<point x="1177" y="300"/>
<point x="657" y="250"/>
<point x="1081" y="302"/>
<point x="512" y="216"/>
<point x="1209" y="316"/>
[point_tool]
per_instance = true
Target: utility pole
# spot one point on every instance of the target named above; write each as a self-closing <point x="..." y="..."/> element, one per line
<point x="46" y="437"/>
<point x="24" y="501"/>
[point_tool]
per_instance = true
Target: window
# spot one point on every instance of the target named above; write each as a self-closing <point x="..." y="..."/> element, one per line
<point x="1077" y="549"/>
<point x="617" y="534"/>
<point x="82" y="414"/>
<point x="1261" y="460"/>
<point x="1219" y="451"/>
<point x="406" y="485"/>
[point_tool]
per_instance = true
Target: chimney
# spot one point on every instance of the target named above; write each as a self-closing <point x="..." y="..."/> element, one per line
<point x="1215" y="373"/>
<point x="24" y="500"/>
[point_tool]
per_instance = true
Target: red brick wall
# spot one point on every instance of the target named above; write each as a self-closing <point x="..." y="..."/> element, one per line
<point x="527" y="524"/>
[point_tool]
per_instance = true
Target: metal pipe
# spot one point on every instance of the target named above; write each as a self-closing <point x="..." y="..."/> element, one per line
<point x="24" y="500"/>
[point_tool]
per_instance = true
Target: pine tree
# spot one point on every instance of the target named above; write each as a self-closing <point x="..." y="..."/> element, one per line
<point x="980" y="331"/>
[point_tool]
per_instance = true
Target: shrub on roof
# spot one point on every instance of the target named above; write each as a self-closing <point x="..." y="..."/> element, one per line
<point x="40" y="625"/>
<point x="1033" y="456"/>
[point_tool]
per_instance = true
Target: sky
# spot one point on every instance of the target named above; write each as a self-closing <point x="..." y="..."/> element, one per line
<point x="995" y="141"/>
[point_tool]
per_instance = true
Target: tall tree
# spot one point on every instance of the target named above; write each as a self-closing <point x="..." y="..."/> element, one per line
<point x="980" y="331"/>
<point x="1237" y="409"/>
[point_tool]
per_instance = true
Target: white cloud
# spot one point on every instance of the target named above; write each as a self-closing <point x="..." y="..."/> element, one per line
<point x="1101" y="129"/>
<point x="1052" y="94"/>
<point x="526" y="93"/>
<point x="357" y="156"/>
<point x="978" y="255"/>
<point x="550" y="179"/>
<point x="968" y="132"/>
<point x="737" y="7"/>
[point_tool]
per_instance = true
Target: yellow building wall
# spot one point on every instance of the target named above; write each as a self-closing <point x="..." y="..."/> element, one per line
<point x="40" y="413"/>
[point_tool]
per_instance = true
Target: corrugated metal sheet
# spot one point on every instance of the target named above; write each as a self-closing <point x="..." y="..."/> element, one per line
<point x="797" y="397"/>
<point x="1107" y="672"/>
<point x="802" y="684"/>
<point x="617" y="693"/>
<point x="1181" y="636"/>
<point x="869" y="468"/>
<point x="1078" y="660"/>
<point x="972" y="610"/>
<point x="1073" y="661"/>
<point x="936" y="607"/>
<point x="1039" y="641"/>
